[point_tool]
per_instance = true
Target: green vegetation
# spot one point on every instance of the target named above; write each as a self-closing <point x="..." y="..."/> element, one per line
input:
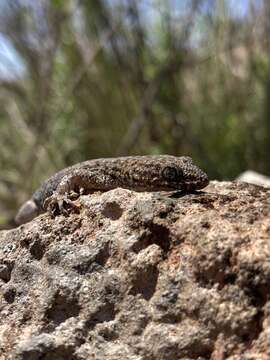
<point x="107" y="78"/>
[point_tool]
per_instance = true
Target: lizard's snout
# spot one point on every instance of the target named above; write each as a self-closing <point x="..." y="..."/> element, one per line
<point x="202" y="181"/>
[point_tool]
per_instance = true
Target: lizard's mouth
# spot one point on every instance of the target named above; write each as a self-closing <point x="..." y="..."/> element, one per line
<point x="195" y="185"/>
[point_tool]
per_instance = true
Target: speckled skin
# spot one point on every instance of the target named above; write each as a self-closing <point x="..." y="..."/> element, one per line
<point x="139" y="173"/>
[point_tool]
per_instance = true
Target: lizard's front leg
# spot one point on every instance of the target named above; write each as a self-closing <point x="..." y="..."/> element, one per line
<point x="70" y="188"/>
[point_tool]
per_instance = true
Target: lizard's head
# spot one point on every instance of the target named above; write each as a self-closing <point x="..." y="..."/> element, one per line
<point x="183" y="174"/>
<point x="165" y="172"/>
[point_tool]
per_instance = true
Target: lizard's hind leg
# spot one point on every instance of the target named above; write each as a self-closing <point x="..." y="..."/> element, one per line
<point x="62" y="200"/>
<point x="69" y="189"/>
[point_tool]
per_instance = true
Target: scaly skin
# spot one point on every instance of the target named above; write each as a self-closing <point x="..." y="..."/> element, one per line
<point x="139" y="173"/>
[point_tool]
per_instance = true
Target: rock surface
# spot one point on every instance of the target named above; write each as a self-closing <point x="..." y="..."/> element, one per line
<point x="253" y="177"/>
<point x="141" y="276"/>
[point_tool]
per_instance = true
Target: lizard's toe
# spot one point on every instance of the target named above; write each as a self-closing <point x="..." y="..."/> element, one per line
<point x="60" y="205"/>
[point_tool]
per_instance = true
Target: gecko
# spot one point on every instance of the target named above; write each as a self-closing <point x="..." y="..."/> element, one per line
<point x="138" y="173"/>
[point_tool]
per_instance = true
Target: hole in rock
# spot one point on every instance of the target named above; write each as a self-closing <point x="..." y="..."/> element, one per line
<point x="62" y="308"/>
<point x="112" y="210"/>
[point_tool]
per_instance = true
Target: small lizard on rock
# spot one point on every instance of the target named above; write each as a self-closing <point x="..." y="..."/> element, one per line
<point x="139" y="173"/>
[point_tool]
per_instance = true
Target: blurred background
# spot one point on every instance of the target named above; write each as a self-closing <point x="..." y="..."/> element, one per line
<point x="82" y="79"/>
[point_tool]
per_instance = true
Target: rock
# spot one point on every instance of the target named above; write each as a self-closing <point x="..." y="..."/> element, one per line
<point x="141" y="276"/>
<point x="253" y="177"/>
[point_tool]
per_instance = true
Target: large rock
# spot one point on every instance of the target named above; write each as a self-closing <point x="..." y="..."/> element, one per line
<point x="141" y="276"/>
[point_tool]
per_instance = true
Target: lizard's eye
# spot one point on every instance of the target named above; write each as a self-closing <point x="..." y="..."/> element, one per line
<point x="170" y="173"/>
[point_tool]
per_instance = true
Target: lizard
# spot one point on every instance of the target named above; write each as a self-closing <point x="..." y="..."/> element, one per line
<point x="138" y="173"/>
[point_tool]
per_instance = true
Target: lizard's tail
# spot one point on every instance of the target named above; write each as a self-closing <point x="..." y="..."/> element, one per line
<point x="26" y="212"/>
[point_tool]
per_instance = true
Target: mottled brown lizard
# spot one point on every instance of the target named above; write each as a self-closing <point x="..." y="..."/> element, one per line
<point x="139" y="173"/>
